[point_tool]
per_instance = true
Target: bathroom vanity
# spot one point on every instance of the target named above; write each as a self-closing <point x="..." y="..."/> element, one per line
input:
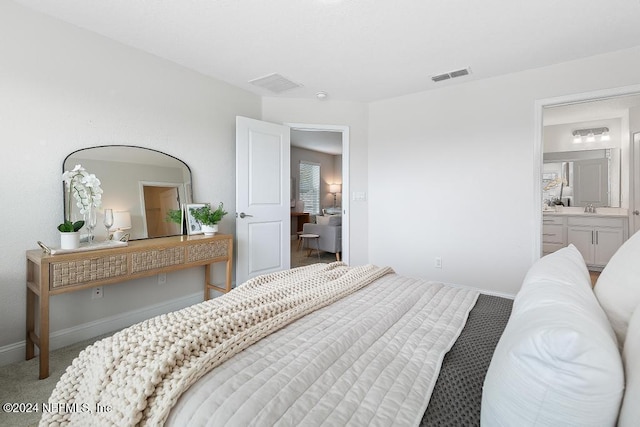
<point x="596" y="235"/>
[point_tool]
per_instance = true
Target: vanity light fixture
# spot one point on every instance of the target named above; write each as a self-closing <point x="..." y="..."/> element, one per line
<point x="589" y="135"/>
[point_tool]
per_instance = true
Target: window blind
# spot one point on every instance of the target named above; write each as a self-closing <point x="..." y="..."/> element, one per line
<point x="310" y="186"/>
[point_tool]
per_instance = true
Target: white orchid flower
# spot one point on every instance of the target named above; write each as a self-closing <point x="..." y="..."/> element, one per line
<point x="85" y="189"/>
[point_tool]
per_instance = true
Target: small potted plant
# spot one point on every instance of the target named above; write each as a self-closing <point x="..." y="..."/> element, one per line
<point x="208" y="217"/>
<point x="85" y="188"/>
<point x="174" y="215"/>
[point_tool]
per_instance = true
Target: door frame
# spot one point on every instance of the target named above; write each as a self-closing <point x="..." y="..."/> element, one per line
<point x="344" y="130"/>
<point x="634" y="191"/>
<point x="182" y="194"/>
<point x="539" y="107"/>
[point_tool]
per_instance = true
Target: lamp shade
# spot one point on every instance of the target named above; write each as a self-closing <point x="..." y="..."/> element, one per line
<point x="121" y="220"/>
<point x="335" y="188"/>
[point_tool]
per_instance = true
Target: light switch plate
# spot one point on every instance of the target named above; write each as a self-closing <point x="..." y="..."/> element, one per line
<point x="359" y="196"/>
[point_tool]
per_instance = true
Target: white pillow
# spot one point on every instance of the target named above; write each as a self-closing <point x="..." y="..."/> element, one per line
<point x="618" y="287"/>
<point x="557" y="362"/>
<point x="630" y="411"/>
<point x="322" y="220"/>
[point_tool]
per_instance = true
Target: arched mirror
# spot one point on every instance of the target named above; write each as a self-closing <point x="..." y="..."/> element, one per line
<point x="141" y="186"/>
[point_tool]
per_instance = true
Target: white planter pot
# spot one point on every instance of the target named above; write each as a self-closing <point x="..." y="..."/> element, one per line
<point x="70" y="240"/>
<point x="210" y="230"/>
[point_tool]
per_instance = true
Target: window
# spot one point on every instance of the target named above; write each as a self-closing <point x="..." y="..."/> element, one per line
<point x="310" y="187"/>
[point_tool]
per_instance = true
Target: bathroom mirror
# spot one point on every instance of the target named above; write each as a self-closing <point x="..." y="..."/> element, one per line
<point x="580" y="178"/>
<point x="143" y="182"/>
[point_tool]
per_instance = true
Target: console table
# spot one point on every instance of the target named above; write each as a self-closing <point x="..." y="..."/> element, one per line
<point x="70" y="272"/>
<point x="301" y="219"/>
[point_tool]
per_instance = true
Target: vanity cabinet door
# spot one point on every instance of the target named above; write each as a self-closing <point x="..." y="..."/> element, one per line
<point x="597" y="244"/>
<point x="607" y="242"/>
<point x="583" y="238"/>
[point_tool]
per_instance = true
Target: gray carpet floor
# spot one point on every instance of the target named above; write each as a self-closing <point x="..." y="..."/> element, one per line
<point x="19" y="383"/>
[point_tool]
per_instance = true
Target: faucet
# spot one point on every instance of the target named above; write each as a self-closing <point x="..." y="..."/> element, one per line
<point x="590" y="208"/>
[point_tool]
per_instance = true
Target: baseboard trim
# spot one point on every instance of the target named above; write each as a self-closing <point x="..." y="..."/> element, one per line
<point x="15" y="352"/>
<point x="483" y="291"/>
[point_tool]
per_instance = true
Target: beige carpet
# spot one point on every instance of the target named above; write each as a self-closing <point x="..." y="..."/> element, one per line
<point x="19" y="383"/>
<point x="301" y="257"/>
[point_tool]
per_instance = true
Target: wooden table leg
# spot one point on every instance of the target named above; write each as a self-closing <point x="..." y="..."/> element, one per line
<point x="229" y="266"/>
<point x="44" y="334"/>
<point x="207" y="281"/>
<point x="31" y="323"/>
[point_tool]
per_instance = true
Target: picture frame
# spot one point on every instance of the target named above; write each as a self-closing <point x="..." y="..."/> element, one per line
<point x="183" y="219"/>
<point x="193" y="225"/>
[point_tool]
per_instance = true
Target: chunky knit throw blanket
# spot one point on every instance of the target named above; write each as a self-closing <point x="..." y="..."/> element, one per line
<point x="136" y="376"/>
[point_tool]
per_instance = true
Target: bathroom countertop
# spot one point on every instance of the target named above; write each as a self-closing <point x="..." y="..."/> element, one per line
<point x="578" y="211"/>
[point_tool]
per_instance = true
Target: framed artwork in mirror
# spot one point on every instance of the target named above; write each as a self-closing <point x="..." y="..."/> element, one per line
<point x="193" y="225"/>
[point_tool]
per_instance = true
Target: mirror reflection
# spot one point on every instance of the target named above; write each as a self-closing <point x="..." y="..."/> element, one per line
<point x="581" y="178"/>
<point x="141" y="186"/>
<point x="584" y="153"/>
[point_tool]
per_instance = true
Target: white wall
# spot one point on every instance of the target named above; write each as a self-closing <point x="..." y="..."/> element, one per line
<point x="557" y="138"/>
<point x="451" y="172"/>
<point x="330" y="112"/>
<point x="63" y="88"/>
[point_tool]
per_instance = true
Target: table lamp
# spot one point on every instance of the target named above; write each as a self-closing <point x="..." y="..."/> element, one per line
<point x="121" y="222"/>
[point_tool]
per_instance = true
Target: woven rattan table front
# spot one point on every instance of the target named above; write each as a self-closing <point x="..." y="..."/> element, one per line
<point x="70" y="272"/>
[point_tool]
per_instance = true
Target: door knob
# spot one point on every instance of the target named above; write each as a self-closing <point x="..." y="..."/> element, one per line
<point x="242" y="215"/>
<point x="636" y="212"/>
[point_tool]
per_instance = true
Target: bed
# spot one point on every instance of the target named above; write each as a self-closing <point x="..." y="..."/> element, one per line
<point x="330" y="344"/>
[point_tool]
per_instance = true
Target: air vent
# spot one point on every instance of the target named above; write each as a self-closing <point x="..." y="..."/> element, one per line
<point x="275" y="83"/>
<point x="441" y="77"/>
<point x="451" y="75"/>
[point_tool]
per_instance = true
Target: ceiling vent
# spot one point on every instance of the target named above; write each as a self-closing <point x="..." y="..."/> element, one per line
<point x="451" y="75"/>
<point x="275" y="83"/>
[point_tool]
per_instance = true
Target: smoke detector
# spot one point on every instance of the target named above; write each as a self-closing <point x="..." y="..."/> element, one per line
<point x="451" y="74"/>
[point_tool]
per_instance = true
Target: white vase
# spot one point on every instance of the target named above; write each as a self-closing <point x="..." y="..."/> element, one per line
<point x="70" y="240"/>
<point x="210" y="230"/>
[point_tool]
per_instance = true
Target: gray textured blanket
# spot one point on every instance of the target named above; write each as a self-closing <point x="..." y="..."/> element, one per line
<point x="457" y="395"/>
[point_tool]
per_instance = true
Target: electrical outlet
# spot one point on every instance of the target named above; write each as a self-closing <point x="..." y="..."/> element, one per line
<point x="97" y="292"/>
<point x="438" y="262"/>
<point x="162" y="278"/>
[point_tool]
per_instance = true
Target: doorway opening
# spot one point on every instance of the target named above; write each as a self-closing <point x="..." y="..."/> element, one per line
<point x="157" y="201"/>
<point x="559" y="123"/>
<point x="320" y="150"/>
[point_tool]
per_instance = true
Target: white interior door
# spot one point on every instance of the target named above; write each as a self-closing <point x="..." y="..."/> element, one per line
<point x="591" y="182"/>
<point x="262" y="198"/>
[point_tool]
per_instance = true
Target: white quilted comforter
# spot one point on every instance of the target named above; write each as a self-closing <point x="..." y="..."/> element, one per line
<point x="370" y="359"/>
<point x="140" y="372"/>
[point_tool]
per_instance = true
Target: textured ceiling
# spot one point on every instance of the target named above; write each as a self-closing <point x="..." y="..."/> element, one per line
<point x="359" y="50"/>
